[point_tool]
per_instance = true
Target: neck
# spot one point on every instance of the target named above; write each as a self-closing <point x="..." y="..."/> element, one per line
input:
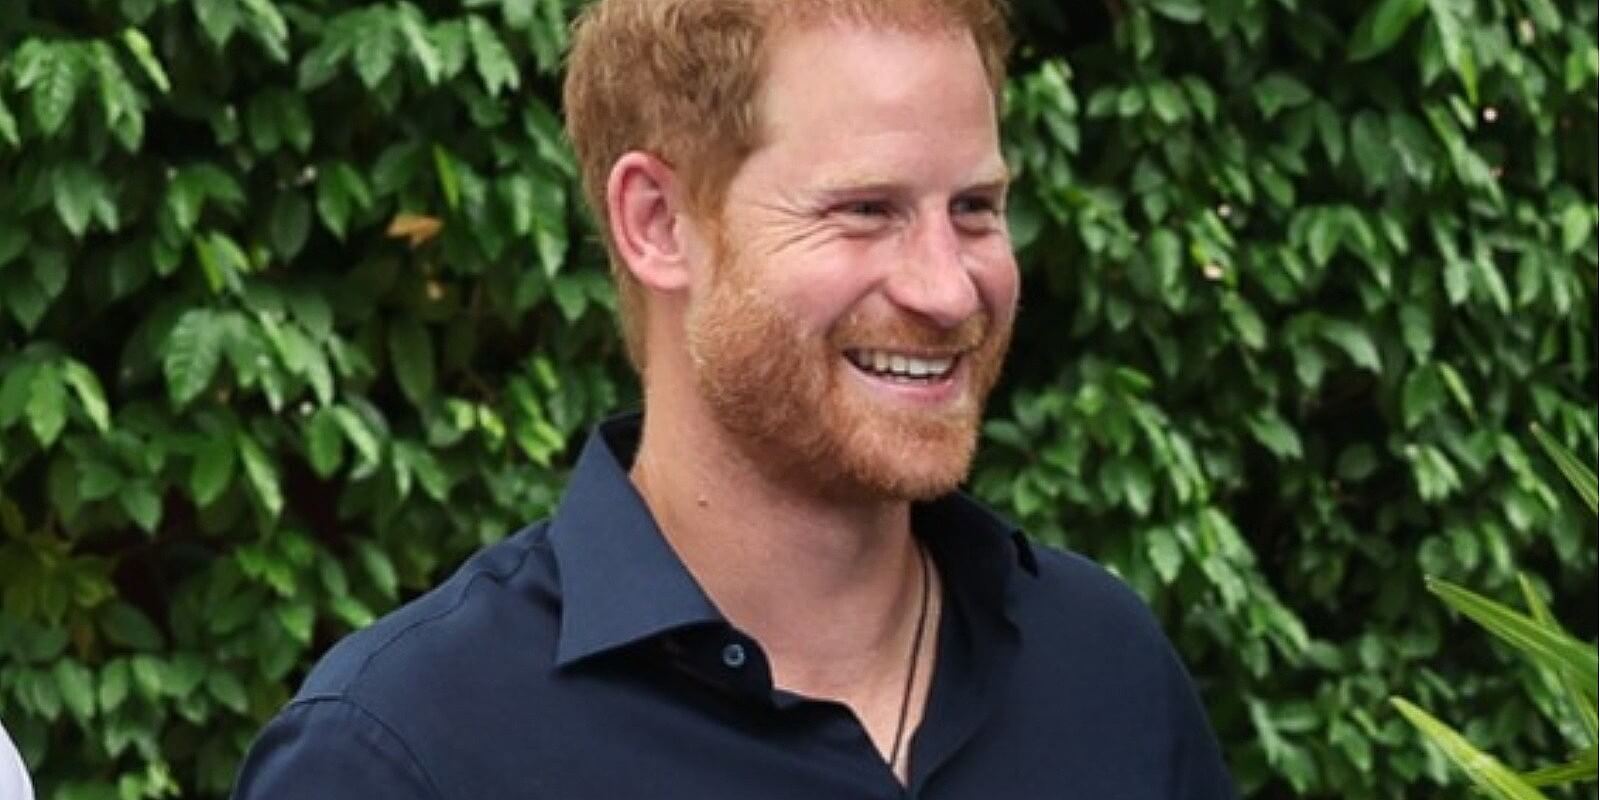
<point x="827" y="586"/>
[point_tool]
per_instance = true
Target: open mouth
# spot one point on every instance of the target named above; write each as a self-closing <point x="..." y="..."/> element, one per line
<point x="902" y="367"/>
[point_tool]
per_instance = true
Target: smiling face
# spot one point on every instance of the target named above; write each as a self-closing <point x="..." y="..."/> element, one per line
<point x="863" y="289"/>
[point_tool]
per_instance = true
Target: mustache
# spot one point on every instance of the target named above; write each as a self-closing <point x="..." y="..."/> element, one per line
<point x="902" y="332"/>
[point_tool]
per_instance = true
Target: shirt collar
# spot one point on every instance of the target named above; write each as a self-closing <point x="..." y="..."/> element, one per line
<point x="622" y="583"/>
<point x="620" y="580"/>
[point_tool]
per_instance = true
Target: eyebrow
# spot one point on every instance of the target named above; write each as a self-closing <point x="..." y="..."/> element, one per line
<point x="874" y="182"/>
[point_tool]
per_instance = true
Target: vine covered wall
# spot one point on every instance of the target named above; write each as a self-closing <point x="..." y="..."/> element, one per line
<point x="299" y="306"/>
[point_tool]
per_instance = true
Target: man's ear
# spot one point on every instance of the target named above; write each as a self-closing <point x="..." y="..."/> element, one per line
<point x="644" y="205"/>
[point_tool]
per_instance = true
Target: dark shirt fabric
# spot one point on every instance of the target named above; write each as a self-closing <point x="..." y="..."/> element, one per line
<point x="580" y="659"/>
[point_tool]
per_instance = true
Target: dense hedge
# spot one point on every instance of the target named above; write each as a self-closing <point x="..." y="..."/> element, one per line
<point x="297" y="307"/>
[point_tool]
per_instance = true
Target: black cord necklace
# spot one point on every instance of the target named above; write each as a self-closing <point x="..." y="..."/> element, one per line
<point x="911" y="671"/>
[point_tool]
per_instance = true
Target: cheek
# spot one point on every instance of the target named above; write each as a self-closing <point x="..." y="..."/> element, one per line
<point x="998" y="282"/>
<point x="828" y="286"/>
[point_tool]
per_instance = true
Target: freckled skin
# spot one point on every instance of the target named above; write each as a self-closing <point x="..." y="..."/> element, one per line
<point x="870" y="218"/>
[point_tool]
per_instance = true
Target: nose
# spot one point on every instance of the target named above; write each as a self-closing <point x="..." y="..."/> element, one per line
<point x="932" y="280"/>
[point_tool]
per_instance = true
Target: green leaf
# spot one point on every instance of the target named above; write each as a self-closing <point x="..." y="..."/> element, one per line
<point x="1188" y="11"/>
<point x="1279" y="91"/>
<point x="15" y="389"/>
<point x="368" y="445"/>
<point x="1579" y="770"/>
<point x="1487" y="276"/>
<point x="1576" y="695"/>
<point x="8" y="127"/>
<point x="75" y="683"/>
<point x="379" y="568"/>
<point x="1420" y="395"/>
<point x="1354" y="340"/>
<point x="1270" y="429"/>
<point x="128" y="626"/>
<point x="1416" y="327"/>
<point x="449" y="181"/>
<point x="410" y="23"/>
<point x="1382" y="26"/>
<point x="1372" y="146"/>
<point x="269" y="28"/>
<point x="213" y="470"/>
<point x="1356" y="463"/>
<point x="50" y="271"/>
<point x="489" y="55"/>
<point x="1551" y="649"/>
<point x="1448" y="21"/>
<point x="411" y="353"/>
<point x="144" y="54"/>
<point x="1484" y="770"/>
<point x="226" y="689"/>
<point x="1576" y="225"/>
<point x="140" y="501"/>
<point x="47" y="405"/>
<point x="1166" y="99"/>
<point x="324" y="442"/>
<point x="190" y="355"/>
<point x="14" y="241"/>
<point x="113" y="686"/>
<point x="181" y="675"/>
<point x="219" y="19"/>
<point x="1165" y="553"/>
<point x="61" y="75"/>
<point x="122" y="104"/>
<point x="97" y="480"/>
<point x="91" y="398"/>
<point x="261" y="473"/>
<point x="334" y="202"/>
<point x="376" y="48"/>
<point x="1578" y="474"/>
<point x="77" y="191"/>
<point x="297" y="619"/>
<point x="26" y="300"/>
<point x="290" y="224"/>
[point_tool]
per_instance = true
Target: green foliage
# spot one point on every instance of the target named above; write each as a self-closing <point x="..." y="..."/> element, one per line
<point x="1299" y="277"/>
<point x="1542" y="641"/>
<point x="298" y="307"/>
<point x="1539" y="638"/>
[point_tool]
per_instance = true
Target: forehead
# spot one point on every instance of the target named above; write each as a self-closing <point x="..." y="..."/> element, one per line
<point x="836" y="90"/>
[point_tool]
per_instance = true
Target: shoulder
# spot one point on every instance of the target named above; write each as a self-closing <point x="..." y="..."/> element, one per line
<point x="374" y="712"/>
<point x="429" y="634"/>
<point x="1090" y="637"/>
<point x="331" y="747"/>
<point x="1095" y="651"/>
<point x="1069" y="588"/>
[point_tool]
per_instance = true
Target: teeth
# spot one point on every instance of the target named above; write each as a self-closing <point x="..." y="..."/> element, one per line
<point x="902" y="366"/>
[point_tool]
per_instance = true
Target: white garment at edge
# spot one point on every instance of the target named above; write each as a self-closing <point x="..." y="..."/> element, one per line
<point x="14" y="783"/>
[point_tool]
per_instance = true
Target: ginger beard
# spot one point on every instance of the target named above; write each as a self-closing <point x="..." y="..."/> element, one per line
<point x="793" y="410"/>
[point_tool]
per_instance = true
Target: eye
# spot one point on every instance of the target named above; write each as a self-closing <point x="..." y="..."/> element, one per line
<point x="977" y="214"/>
<point x="864" y="208"/>
<point x="974" y="206"/>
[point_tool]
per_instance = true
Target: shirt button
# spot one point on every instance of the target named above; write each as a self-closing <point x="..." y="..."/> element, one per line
<point x="733" y="656"/>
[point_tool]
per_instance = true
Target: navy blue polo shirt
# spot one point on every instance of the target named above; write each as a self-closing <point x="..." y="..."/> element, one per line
<point x="580" y="659"/>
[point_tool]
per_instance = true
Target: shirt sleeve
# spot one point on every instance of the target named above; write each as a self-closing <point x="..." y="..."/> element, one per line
<point x="331" y="748"/>
<point x="1198" y="769"/>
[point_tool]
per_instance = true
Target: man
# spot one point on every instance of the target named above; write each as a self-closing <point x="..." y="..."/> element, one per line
<point x="767" y="587"/>
<point x="14" y="783"/>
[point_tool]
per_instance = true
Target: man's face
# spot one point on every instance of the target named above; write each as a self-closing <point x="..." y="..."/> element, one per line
<point x="864" y="287"/>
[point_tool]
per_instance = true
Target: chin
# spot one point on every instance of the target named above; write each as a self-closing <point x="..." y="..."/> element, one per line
<point x="899" y="456"/>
